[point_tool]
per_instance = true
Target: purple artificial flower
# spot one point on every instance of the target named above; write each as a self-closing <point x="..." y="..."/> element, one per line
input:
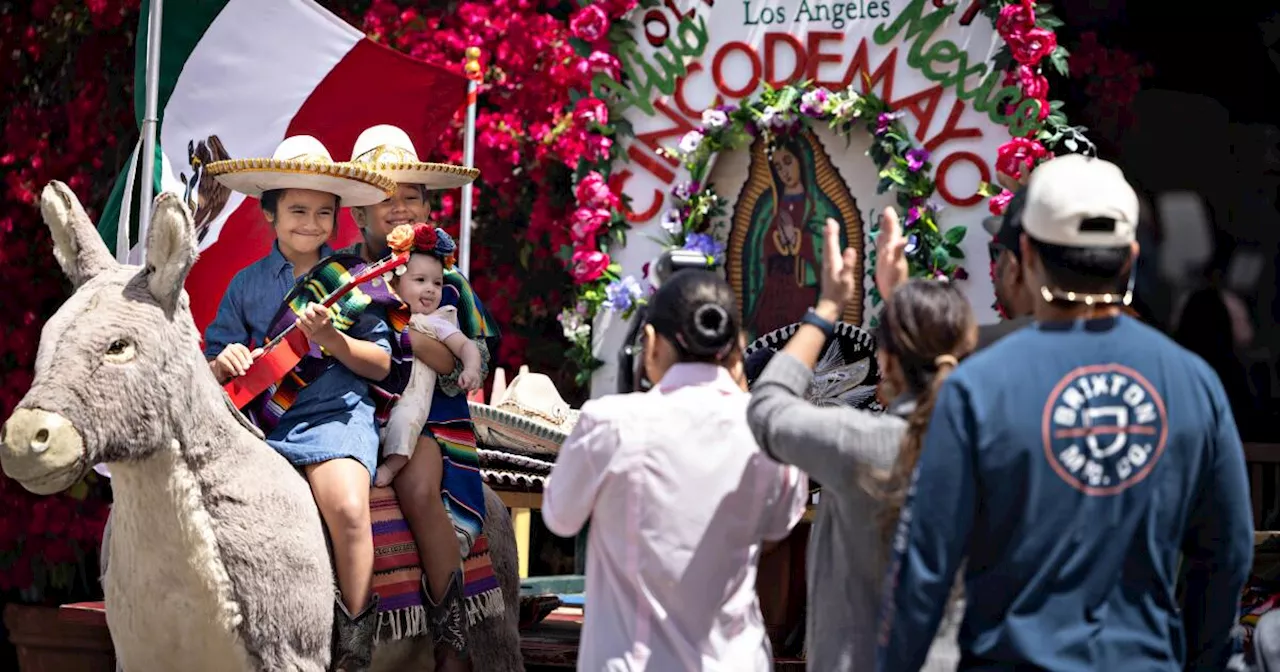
<point x="916" y="158"/>
<point x="812" y="102"/>
<point x="622" y="294"/>
<point x="686" y="190"/>
<point x="704" y="243"/>
<point x="913" y="244"/>
<point x="913" y="214"/>
<point x="885" y="120"/>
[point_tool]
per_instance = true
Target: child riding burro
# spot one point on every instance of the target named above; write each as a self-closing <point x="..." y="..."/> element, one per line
<point x="320" y="416"/>
<point x="440" y="350"/>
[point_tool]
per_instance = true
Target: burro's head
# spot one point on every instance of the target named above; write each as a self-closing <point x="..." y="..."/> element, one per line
<point x="117" y="360"/>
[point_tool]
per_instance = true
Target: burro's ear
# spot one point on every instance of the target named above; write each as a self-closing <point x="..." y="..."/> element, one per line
<point x="76" y="244"/>
<point x="171" y="249"/>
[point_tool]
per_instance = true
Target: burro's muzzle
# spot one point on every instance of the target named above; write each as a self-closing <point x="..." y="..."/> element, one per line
<point x="42" y="451"/>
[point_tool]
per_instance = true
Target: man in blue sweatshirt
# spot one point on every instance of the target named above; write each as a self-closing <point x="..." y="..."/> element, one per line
<point x="1070" y="468"/>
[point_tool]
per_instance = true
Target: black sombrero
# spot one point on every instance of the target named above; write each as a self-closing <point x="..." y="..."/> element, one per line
<point x="846" y="374"/>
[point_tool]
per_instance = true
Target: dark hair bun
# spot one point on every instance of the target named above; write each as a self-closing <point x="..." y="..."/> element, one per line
<point x="708" y="331"/>
<point x="696" y="310"/>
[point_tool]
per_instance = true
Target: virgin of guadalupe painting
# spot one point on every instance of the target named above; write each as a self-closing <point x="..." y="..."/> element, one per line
<point x="774" y="259"/>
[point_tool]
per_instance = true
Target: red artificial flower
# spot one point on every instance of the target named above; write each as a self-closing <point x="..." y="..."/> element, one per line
<point x="424" y="237"/>
<point x="588" y="266"/>
<point x="1034" y="84"/>
<point x="1000" y="202"/>
<point x="1033" y="46"/>
<point x="1016" y="19"/>
<point x="589" y="23"/>
<point x="1019" y="154"/>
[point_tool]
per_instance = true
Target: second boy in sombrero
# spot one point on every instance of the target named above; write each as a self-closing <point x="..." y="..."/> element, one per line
<point x="321" y="420"/>
<point x="439" y="490"/>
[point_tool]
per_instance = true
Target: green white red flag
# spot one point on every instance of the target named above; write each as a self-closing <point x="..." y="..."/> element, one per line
<point x="236" y="78"/>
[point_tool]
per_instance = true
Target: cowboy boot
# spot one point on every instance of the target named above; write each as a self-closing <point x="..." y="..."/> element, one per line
<point x="353" y="635"/>
<point x="447" y="618"/>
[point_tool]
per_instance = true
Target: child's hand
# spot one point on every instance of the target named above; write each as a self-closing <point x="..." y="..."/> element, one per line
<point x="232" y="362"/>
<point x="315" y="323"/>
<point x="470" y="380"/>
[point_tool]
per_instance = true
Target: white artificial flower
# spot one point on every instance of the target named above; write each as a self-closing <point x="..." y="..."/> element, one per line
<point x="714" y="118"/>
<point x="690" y="142"/>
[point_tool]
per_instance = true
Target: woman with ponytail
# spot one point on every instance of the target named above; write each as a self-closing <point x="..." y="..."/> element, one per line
<point x="864" y="460"/>
<point x="679" y="496"/>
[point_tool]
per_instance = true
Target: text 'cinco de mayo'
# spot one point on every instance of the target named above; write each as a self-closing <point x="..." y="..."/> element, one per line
<point x="827" y="60"/>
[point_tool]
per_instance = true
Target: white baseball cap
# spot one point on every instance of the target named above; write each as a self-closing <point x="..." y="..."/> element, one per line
<point x="1078" y="201"/>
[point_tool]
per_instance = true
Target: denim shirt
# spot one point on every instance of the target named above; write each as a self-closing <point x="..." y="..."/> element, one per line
<point x="251" y="301"/>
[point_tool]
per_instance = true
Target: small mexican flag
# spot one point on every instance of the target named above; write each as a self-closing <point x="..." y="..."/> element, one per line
<point x="236" y="78"/>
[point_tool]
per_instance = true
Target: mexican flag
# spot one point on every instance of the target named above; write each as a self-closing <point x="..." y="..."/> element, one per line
<point x="236" y="78"/>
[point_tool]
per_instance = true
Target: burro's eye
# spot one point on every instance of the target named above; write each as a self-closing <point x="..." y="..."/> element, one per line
<point x="120" y="351"/>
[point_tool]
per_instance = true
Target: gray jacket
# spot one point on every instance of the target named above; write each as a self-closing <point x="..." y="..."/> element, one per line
<point x="845" y="565"/>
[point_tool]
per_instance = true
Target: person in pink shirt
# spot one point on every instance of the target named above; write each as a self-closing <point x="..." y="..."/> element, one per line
<point x="680" y="496"/>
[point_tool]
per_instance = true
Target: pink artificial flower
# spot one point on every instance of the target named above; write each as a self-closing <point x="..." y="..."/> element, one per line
<point x="594" y="192"/>
<point x="588" y="266"/>
<point x="587" y="222"/>
<point x="589" y="24"/>
<point x="604" y="62"/>
<point x="590" y="110"/>
<point x="598" y="146"/>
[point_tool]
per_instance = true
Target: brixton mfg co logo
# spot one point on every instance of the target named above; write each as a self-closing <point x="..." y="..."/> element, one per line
<point x="1104" y="429"/>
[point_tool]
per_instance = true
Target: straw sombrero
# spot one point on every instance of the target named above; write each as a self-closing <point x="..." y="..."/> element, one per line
<point x="388" y="150"/>
<point x="302" y="162"/>
<point x="528" y="417"/>
<point x="846" y="374"/>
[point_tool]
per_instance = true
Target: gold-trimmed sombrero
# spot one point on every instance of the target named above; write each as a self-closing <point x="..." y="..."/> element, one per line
<point x="302" y="162"/>
<point x="530" y="417"/>
<point x="388" y="150"/>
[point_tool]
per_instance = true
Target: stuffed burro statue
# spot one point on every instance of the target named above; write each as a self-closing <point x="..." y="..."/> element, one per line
<point x="218" y="560"/>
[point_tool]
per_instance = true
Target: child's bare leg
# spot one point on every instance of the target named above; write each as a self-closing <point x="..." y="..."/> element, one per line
<point x="386" y="473"/>
<point x="341" y="489"/>
<point x="418" y="489"/>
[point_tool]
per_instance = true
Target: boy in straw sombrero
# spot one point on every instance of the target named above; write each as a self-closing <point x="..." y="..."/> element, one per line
<point x="439" y="489"/>
<point x="322" y="418"/>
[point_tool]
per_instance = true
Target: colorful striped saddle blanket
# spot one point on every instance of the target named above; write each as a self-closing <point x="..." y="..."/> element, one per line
<point x="397" y="576"/>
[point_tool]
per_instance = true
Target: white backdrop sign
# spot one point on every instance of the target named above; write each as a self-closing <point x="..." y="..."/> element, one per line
<point x="919" y="56"/>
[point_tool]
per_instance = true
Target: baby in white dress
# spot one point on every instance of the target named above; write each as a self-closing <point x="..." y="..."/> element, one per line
<point x="420" y="287"/>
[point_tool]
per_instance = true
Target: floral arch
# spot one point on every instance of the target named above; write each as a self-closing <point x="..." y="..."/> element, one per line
<point x="1038" y="128"/>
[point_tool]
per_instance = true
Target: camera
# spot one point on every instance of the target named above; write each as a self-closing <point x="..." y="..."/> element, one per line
<point x="631" y="376"/>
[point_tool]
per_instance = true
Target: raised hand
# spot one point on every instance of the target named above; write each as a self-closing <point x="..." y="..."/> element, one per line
<point x="839" y="269"/>
<point x="891" y="258"/>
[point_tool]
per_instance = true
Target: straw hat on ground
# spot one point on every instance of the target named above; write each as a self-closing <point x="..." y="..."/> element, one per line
<point x="388" y="150"/>
<point x="302" y="162"/>
<point x="529" y="416"/>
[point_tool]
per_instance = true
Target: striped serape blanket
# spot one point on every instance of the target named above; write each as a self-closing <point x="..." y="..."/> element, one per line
<point x="397" y="575"/>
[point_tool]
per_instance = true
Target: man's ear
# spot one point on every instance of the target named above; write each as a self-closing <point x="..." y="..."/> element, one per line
<point x="358" y="215"/>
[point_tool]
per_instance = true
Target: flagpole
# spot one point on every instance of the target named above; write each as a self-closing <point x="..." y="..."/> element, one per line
<point x="150" y="120"/>
<point x="468" y="158"/>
